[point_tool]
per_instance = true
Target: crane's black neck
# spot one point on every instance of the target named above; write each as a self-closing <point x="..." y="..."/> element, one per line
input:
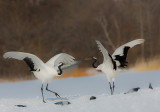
<point x="94" y="62"/>
<point x="60" y="70"/>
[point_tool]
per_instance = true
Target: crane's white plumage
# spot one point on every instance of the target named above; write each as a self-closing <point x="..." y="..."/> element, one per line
<point x="38" y="63"/>
<point x="112" y="65"/>
<point x="120" y="50"/>
<point x="104" y="52"/>
<point x="44" y="71"/>
<point x="62" y="57"/>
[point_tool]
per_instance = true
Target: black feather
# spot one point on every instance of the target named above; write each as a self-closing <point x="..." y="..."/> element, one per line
<point x="122" y="59"/>
<point x="30" y="63"/>
<point x="113" y="62"/>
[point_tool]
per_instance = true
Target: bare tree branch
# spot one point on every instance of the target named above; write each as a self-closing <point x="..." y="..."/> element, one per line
<point x="103" y="22"/>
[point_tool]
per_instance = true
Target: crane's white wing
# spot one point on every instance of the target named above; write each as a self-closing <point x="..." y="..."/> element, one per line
<point x="62" y="57"/>
<point x="106" y="55"/>
<point x="70" y="66"/>
<point x="120" y="54"/>
<point x="31" y="60"/>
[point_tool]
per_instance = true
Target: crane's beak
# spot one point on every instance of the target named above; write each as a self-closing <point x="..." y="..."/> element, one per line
<point x="87" y="59"/>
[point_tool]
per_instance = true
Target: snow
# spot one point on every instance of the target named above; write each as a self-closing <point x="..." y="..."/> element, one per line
<point x="79" y="90"/>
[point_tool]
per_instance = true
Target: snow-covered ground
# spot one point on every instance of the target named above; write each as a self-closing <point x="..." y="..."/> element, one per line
<point x="79" y="90"/>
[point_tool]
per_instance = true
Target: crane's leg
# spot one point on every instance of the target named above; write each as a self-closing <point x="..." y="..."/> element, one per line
<point x="42" y="93"/>
<point x="111" y="88"/>
<point x="57" y="95"/>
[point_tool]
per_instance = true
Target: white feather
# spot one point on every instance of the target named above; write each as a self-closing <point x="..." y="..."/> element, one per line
<point x="62" y="57"/>
<point x="119" y="51"/>
<point x="104" y="52"/>
<point x="38" y="63"/>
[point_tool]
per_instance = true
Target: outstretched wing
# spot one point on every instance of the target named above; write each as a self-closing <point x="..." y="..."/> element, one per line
<point x="120" y="54"/>
<point x="31" y="60"/>
<point x="70" y="66"/>
<point x="62" y="57"/>
<point x="106" y="55"/>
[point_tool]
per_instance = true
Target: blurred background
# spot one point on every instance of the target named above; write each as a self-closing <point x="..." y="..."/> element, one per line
<point x="48" y="27"/>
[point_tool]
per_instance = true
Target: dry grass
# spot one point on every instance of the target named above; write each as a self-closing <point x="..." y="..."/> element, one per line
<point x="78" y="73"/>
<point x="149" y="65"/>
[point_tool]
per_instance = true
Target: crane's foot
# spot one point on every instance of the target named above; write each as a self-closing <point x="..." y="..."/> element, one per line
<point x="44" y="101"/>
<point x="57" y="95"/>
